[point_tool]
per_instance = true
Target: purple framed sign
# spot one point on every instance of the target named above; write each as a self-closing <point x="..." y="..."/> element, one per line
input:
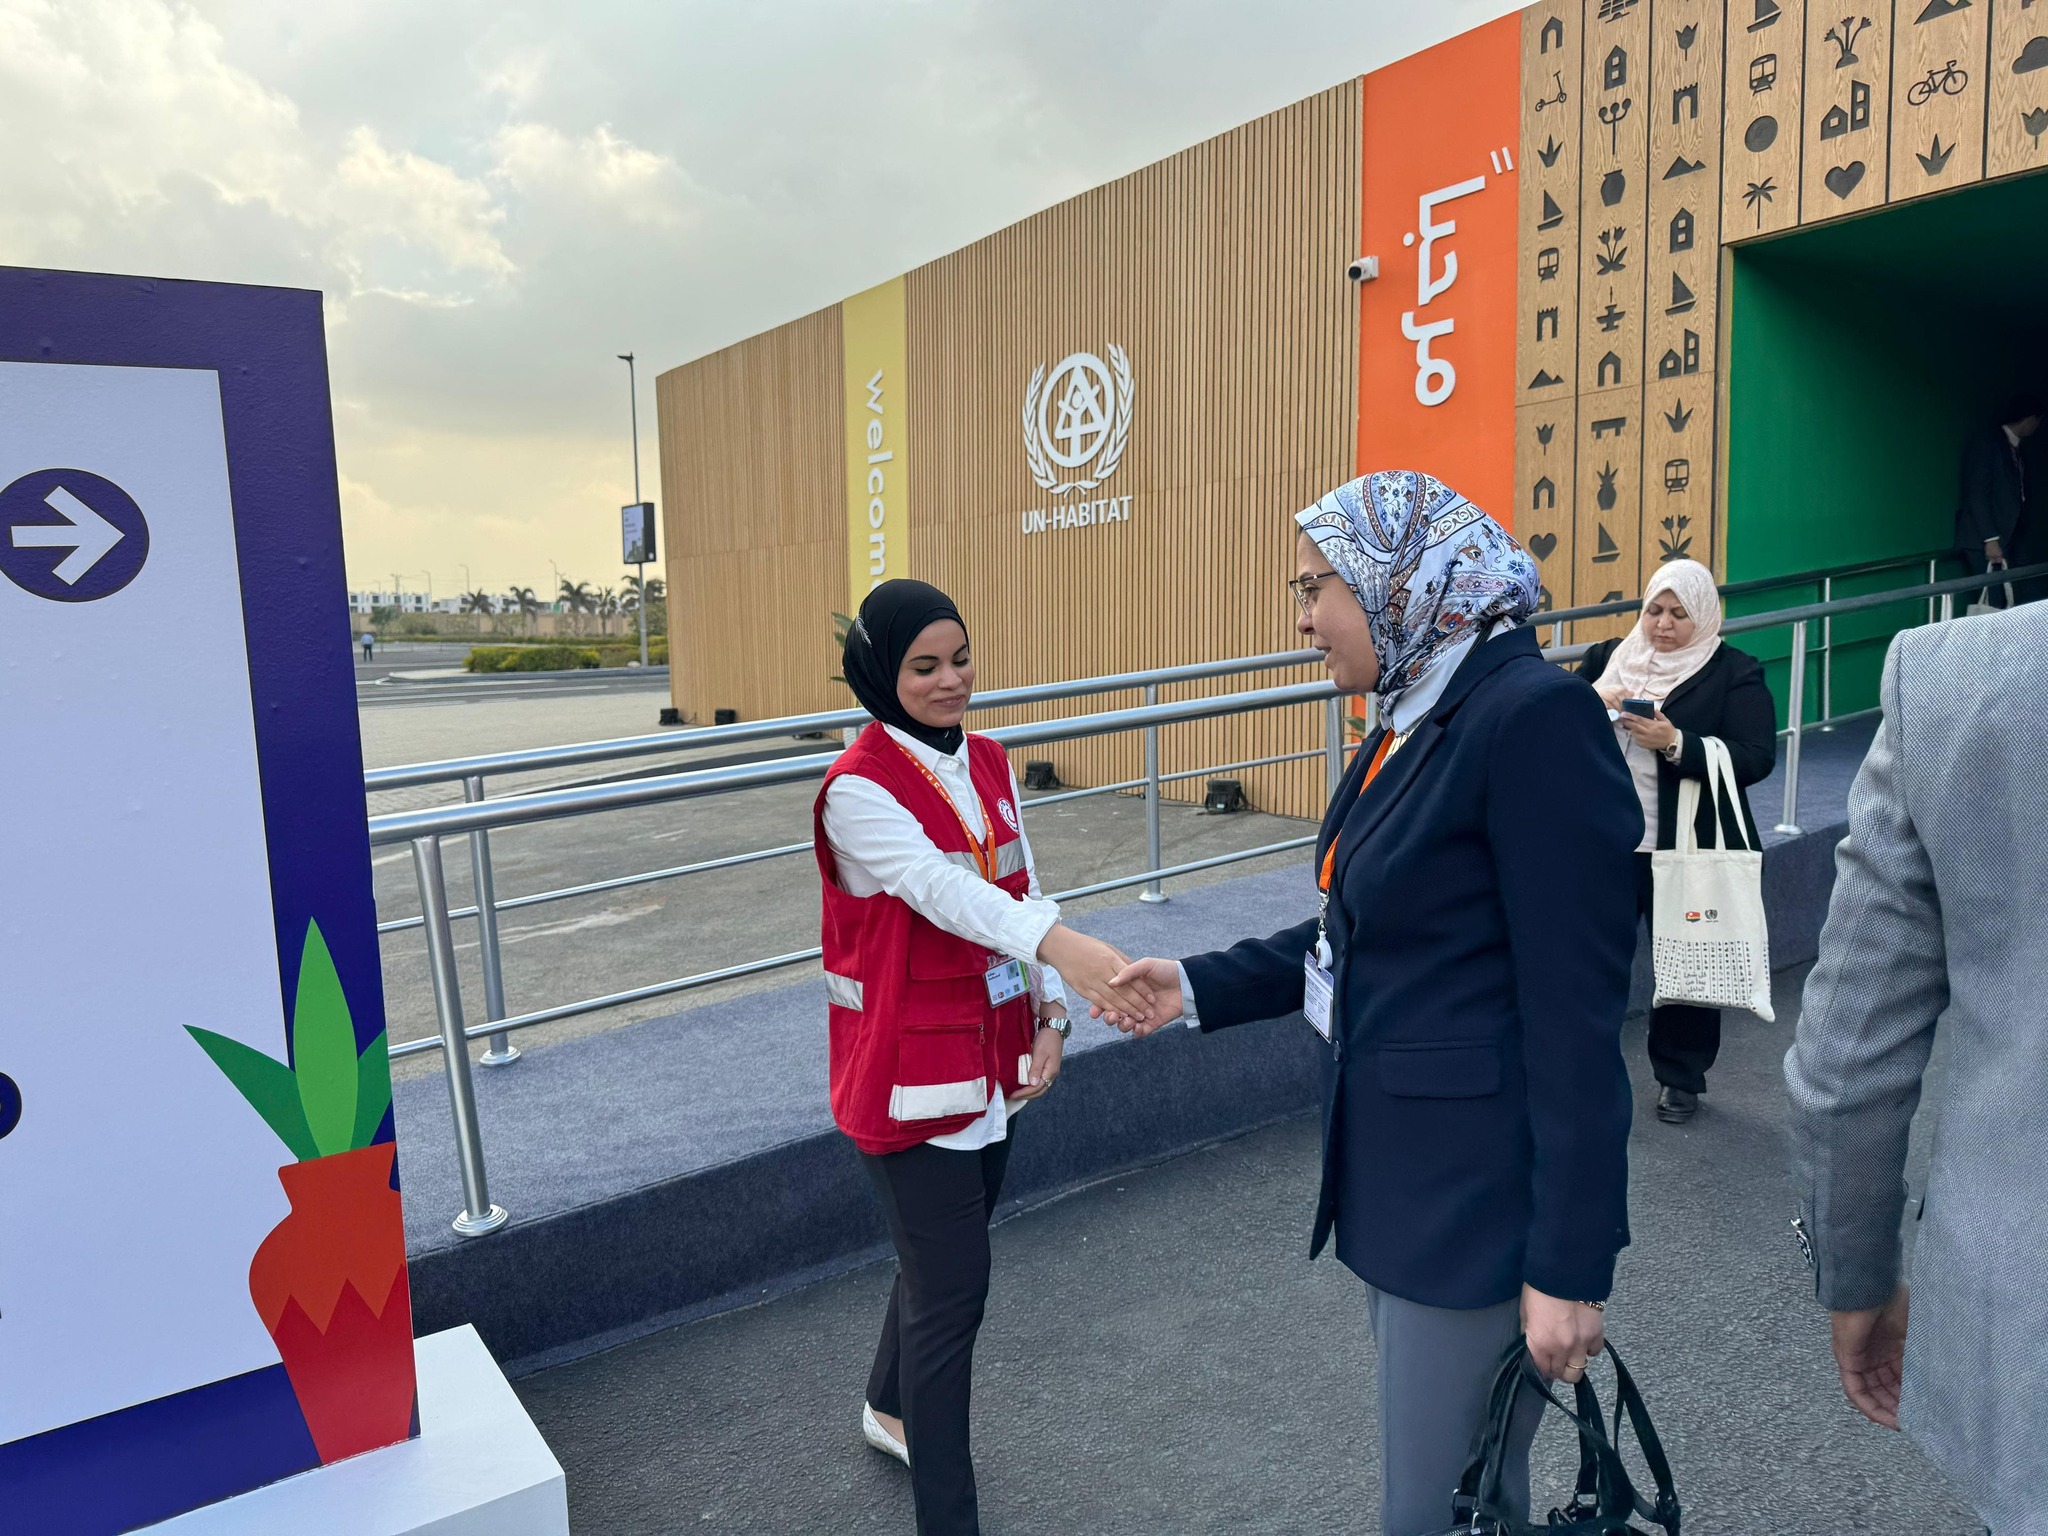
<point x="202" y="1260"/>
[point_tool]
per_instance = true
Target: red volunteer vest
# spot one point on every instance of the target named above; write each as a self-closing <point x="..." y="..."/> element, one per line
<point x="916" y="1047"/>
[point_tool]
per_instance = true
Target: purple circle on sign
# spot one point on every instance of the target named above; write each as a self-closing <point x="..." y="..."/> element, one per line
<point x="10" y="1105"/>
<point x="70" y="536"/>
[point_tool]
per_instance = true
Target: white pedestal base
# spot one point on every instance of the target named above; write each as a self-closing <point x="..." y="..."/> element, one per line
<point x="479" y="1468"/>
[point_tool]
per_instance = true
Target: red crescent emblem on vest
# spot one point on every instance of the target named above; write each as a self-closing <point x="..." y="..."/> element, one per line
<point x="1008" y="812"/>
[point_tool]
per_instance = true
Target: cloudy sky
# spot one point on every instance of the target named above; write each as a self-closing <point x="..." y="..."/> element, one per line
<point x="498" y="197"/>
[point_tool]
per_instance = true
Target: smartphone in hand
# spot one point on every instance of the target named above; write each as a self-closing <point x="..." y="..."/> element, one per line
<point x="1647" y="708"/>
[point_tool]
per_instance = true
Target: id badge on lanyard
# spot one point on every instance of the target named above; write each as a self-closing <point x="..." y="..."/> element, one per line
<point x="1318" y="995"/>
<point x="1007" y="980"/>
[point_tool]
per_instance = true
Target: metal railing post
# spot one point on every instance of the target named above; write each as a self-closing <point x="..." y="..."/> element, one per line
<point x="1333" y="744"/>
<point x="478" y="1214"/>
<point x="502" y="1051"/>
<point x="1789" y="813"/>
<point x="1948" y="606"/>
<point x="1933" y="575"/>
<point x="1827" y="657"/>
<point x="1155" y="857"/>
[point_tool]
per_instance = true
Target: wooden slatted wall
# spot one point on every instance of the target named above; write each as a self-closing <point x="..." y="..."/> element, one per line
<point x="753" y="514"/>
<point x="1220" y="272"/>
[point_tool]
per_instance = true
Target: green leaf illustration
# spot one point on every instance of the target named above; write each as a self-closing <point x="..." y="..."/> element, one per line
<point x="268" y="1086"/>
<point x="324" y="1055"/>
<point x="373" y="1091"/>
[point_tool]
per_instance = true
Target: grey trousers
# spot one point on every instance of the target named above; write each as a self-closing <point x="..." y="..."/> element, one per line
<point x="1436" y="1364"/>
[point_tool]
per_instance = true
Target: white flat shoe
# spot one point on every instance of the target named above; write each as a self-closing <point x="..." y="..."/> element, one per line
<point x="880" y="1438"/>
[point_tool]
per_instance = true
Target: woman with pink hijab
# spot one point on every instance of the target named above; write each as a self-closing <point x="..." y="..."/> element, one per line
<point x="1671" y="683"/>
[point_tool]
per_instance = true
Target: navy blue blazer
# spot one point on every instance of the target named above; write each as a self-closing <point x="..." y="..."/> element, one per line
<point x="1483" y="923"/>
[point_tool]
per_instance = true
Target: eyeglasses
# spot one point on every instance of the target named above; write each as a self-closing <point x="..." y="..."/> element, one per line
<point x="1304" y="588"/>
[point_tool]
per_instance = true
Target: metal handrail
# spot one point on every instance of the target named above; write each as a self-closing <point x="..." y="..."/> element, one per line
<point x="577" y="754"/>
<point x="1835" y="572"/>
<point x="1808" y="612"/>
<point x="553" y="804"/>
<point x="424" y="829"/>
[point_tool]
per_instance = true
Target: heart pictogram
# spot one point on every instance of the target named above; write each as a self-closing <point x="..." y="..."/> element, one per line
<point x="1543" y="545"/>
<point x="1844" y="179"/>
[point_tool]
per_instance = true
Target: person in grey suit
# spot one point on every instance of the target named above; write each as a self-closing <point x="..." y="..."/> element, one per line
<point x="1936" y="925"/>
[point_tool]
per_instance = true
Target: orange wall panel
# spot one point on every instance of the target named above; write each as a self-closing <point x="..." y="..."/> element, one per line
<point x="1436" y="354"/>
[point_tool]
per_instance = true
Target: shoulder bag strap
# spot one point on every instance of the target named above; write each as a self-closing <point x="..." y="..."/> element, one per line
<point x="1727" y="794"/>
<point x="1685" y="836"/>
<point x="1665" y="1511"/>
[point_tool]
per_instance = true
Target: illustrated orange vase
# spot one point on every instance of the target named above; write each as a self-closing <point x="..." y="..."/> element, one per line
<point x="330" y="1285"/>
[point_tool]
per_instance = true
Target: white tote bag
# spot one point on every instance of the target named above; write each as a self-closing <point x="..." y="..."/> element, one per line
<point x="1707" y="930"/>
<point x="1983" y="604"/>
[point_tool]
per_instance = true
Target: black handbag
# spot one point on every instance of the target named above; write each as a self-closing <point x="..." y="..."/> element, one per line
<point x="1605" y="1502"/>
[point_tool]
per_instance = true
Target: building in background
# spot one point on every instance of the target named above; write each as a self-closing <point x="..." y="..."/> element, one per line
<point x="1711" y="278"/>
<point x="397" y="602"/>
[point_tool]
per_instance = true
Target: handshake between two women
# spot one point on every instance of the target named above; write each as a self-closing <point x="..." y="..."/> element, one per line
<point x="1135" y="996"/>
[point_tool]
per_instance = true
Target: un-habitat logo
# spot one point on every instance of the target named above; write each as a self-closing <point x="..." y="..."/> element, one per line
<point x="1078" y="420"/>
<point x="1077" y="423"/>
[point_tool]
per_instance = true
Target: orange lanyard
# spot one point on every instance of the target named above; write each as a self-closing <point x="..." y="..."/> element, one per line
<point x="984" y="850"/>
<point x="1379" y="759"/>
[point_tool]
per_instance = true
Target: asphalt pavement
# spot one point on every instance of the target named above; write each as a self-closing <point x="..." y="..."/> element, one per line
<point x="1161" y="1357"/>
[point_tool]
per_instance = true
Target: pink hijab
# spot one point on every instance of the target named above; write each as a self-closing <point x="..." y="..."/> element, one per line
<point x="1644" y="672"/>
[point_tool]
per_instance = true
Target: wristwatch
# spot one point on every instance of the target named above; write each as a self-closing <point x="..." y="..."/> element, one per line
<point x="1064" y="1026"/>
<point x="1671" y="753"/>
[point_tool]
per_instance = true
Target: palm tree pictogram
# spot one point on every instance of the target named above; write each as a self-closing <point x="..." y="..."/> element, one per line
<point x="1759" y="193"/>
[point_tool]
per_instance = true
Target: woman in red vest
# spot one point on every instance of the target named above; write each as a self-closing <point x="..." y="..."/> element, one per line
<point x="943" y="971"/>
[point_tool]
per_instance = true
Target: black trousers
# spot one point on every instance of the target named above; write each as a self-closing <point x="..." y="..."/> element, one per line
<point x="1684" y="1040"/>
<point x="938" y="1204"/>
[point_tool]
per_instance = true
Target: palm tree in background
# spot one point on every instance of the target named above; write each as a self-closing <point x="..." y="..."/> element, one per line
<point x="527" y="601"/>
<point x="607" y="603"/>
<point x="576" y="598"/>
<point x="657" y="609"/>
<point x="477" y="602"/>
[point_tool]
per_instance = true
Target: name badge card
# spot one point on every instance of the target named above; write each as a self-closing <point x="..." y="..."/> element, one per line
<point x="1318" y="994"/>
<point x="1007" y="981"/>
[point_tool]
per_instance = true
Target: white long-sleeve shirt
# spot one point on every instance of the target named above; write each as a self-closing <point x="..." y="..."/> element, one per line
<point x="880" y="847"/>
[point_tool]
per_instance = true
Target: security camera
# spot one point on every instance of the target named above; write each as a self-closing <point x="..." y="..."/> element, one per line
<point x="1363" y="269"/>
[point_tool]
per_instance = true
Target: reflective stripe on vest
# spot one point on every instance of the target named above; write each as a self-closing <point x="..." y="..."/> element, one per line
<point x="842" y="990"/>
<point x="937" y="1101"/>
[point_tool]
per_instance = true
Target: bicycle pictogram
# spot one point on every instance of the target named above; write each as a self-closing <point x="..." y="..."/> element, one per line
<point x="1945" y="81"/>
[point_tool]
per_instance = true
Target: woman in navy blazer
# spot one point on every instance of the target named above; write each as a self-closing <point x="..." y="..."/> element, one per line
<point x="1478" y="931"/>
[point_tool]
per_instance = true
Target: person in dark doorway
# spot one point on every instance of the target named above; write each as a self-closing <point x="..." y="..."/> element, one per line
<point x="1470" y="971"/>
<point x="943" y="969"/>
<point x="1994" y="506"/>
<point x="1697" y="685"/>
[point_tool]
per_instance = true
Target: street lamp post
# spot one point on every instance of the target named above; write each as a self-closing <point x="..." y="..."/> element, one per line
<point x="633" y="401"/>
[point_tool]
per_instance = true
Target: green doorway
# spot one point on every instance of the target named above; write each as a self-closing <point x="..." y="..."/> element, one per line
<point x="1861" y="355"/>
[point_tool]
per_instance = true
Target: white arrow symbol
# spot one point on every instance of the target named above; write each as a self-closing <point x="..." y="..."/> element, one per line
<point x="85" y="533"/>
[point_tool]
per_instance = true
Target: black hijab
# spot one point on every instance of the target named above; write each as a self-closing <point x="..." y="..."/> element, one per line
<point x="891" y="617"/>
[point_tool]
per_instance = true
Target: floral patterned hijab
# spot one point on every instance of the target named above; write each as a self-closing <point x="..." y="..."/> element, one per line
<point x="1431" y="571"/>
